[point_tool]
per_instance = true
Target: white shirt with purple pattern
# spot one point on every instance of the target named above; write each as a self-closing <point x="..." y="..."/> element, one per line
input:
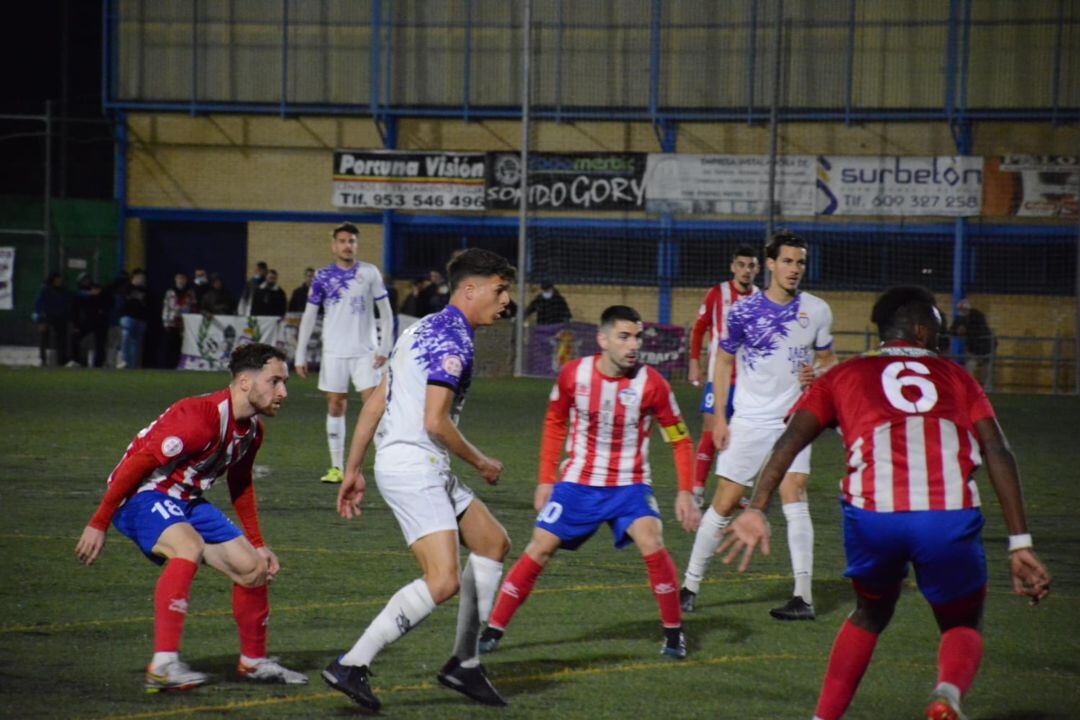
<point x="348" y="300"/>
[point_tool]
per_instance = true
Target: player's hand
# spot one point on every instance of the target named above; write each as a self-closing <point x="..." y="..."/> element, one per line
<point x="687" y="511"/>
<point x="301" y="370"/>
<point x="380" y="360"/>
<point x="90" y="544"/>
<point x="542" y="495"/>
<point x="750" y="530"/>
<point x="350" y="494"/>
<point x="721" y="433"/>
<point x="272" y="564"/>
<point x="1029" y="577"/>
<point x="490" y="469"/>
<point x="693" y="373"/>
<point x="806" y="375"/>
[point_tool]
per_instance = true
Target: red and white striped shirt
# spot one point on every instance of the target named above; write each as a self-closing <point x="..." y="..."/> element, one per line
<point x="606" y="422"/>
<point x="907" y="417"/>
<point x="712" y="318"/>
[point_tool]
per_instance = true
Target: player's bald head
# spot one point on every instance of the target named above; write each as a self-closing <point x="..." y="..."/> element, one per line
<point x="901" y="310"/>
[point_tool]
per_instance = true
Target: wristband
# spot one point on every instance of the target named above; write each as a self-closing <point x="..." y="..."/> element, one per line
<point x="1019" y="542"/>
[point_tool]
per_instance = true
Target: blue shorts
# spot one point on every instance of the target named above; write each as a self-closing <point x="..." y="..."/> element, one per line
<point x="148" y="514"/>
<point x="575" y="511"/>
<point x="708" y="401"/>
<point x="944" y="546"/>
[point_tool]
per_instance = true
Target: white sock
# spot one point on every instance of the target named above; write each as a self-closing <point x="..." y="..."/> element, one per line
<point x="950" y="691"/>
<point x="705" y="543"/>
<point x="249" y="661"/>
<point x="800" y="537"/>
<point x="487" y="573"/>
<point x="406" y="609"/>
<point x="160" y="658"/>
<point x="335" y="438"/>
<point x="479" y="581"/>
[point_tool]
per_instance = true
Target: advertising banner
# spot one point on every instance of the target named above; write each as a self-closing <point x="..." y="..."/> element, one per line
<point x="1031" y="186"/>
<point x="729" y="184"/>
<point x="392" y="180"/>
<point x="909" y="186"/>
<point x="568" y="181"/>
<point x="210" y="339"/>
<point x="7" y="275"/>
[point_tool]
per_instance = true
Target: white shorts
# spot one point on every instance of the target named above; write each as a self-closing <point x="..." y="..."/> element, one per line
<point x="335" y="373"/>
<point x="747" y="449"/>
<point x="424" y="502"/>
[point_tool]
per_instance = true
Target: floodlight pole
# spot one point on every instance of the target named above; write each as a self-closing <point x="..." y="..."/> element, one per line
<point x="774" y="122"/>
<point x="46" y="224"/>
<point x="523" y="204"/>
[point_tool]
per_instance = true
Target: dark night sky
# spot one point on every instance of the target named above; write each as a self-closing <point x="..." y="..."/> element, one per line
<point x="36" y="67"/>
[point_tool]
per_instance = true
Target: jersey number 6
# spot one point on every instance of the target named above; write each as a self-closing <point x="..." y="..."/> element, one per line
<point x="893" y="385"/>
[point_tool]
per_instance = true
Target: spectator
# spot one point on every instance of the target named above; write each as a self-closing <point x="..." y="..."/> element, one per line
<point x="200" y="283"/>
<point x="90" y="317"/>
<point x="51" y="312"/>
<point x="438" y="292"/>
<point x="217" y="300"/>
<point x="416" y="302"/>
<point x="254" y="283"/>
<point x="298" y="299"/>
<point x="134" y="314"/>
<point x="178" y="300"/>
<point x="550" y="306"/>
<point x="269" y="299"/>
<point x="979" y="342"/>
<point x="114" y="294"/>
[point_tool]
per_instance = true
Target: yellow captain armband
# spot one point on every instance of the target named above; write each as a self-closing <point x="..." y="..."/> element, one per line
<point x="674" y="433"/>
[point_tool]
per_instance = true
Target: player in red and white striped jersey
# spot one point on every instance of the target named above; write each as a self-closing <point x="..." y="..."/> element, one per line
<point x="154" y="497"/>
<point x="603" y="408"/>
<point x="712" y="319"/>
<point x="916" y="427"/>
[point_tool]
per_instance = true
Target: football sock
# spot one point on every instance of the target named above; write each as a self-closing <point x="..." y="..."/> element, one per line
<point x="703" y="459"/>
<point x="705" y="543"/>
<point x="160" y="658"/>
<point x="959" y="655"/>
<point x="515" y="590"/>
<point x="251" y="610"/>
<point x="468" y="620"/>
<point x="662" y="579"/>
<point x="406" y="609"/>
<point x="171" y="603"/>
<point x="850" y="656"/>
<point x="335" y="438"/>
<point x="487" y="573"/>
<point x="800" y="536"/>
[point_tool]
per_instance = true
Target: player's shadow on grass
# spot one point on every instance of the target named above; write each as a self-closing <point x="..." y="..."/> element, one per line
<point x="828" y="597"/>
<point x="535" y="675"/>
<point x="309" y="662"/>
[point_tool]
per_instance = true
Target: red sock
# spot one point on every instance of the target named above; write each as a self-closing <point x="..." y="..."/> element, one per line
<point x="251" y="610"/>
<point x="848" y="661"/>
<point x="959" y="655"/>
<point x="703" y="460"/>
<point x="171" y="603"/>
<point x="514" y="591"/>
<point x="665" y="587"/>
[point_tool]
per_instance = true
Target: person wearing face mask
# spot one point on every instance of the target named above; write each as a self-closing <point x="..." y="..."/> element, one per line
<point x="253" y="284"/>
<point x="134" y="314"/>
<point x="269" y="299"/>
<point x="200" y="283"/>
<point x="550" y="307"/>
<point x="179" y="299"/>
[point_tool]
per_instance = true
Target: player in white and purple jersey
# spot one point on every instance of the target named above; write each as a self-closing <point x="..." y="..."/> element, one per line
<point x="348" y="292"/>
<point x="155" y="498"/>
<point x="779" y="339"/>
<point x="916" y="427"/>
<point x="412" y="418"/>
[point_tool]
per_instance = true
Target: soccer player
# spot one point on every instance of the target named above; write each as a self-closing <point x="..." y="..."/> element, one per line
<point x="155" y="497"/>
<point x="712" y="318"/>
<point x="780" y="340"/>
<point x="418" y="403"/>
<point x="916" y="427"/>
<point x="607" y="402"/>
<point x="348" y="291"/>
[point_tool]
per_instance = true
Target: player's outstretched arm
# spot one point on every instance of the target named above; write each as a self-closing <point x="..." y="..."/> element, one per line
<point x="721" y="384"/>
<point x="351" y="492"/>
<point x="307" y="326"/>
<point x="1029" y="577"/>
<point x="437" y="424"/>
<point x="125" y="478"/>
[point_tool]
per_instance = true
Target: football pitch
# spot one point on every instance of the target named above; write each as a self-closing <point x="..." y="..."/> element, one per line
<point x="74" y="641"/>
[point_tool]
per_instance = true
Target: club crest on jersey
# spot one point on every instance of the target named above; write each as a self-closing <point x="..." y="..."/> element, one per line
<point x="172" y="446"/>
<point x="452" y="365"/>
<point x="804" y="319"/>
<point x="581" y="389"/>
<point x="627" y="396"/>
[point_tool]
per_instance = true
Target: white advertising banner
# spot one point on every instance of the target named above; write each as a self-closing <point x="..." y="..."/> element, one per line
<point x="393" y="180"/>
<point x="728" y="184"/>
<point x="7" y="275"/>
<point x="210" y="339"/>
<point x="910" y="186"/>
